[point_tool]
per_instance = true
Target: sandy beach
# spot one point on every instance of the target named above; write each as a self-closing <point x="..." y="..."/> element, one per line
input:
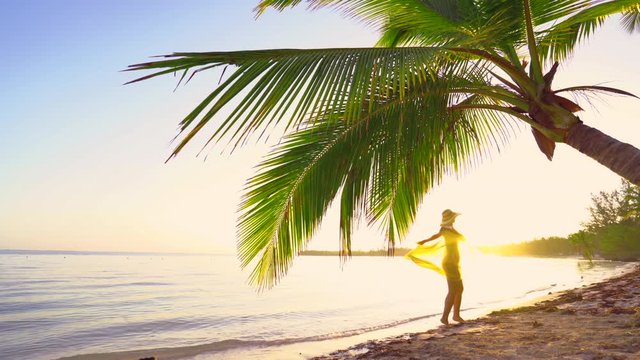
<point x="599" y="321"/>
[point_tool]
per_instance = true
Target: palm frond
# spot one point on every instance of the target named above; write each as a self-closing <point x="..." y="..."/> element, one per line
<point x="549" y="11"/>
<point x="489" y="34"/>
<point x="286" y="200"/>
<point x="283" y="4"/>
<point x="291" y="83"/>
<point x="631" y="19"/>
<point x="425" y="23"/>
<point x="376" y="13"/>
<point x="422" y="152"/>
<point x="591" y="93"/>
<point x="558" y="41"/>
<point x="596" y="89"/>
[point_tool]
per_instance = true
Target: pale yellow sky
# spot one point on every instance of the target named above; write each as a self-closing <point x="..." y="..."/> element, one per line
<point x="96" y="180"/>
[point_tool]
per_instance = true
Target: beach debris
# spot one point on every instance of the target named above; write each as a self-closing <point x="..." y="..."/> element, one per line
<point x="635" y="319"/>
<point x="568" y="312"/>
<point x="622" y="310"/>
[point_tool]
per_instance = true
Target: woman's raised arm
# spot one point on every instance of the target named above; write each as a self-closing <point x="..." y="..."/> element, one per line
<point x="432" y="237"/>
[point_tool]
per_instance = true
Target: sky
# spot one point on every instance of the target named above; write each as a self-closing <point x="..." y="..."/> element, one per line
<point x="82" y="165"/>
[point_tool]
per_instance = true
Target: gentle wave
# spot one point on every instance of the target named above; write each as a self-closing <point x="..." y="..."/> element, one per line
<point x="22" y="282"/>
<point x="119" y="285"/>
<point x="231" y="344"/>
<point x="544" y="288"/>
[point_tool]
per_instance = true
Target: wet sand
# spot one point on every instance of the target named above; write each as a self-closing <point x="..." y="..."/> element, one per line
<point x="599" y="321"/>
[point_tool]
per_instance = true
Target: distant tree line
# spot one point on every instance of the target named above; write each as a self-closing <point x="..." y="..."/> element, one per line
<point x="377" y="252"/>
<point x="545" y="247"/>
<point x="612" y="231"/>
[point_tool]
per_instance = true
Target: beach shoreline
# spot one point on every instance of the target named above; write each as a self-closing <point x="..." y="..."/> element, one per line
<point x="597" y="321"/>
<point x="392" y="343"/>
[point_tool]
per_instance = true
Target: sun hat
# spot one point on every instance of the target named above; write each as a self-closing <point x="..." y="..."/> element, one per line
<point x="448" y="217"/>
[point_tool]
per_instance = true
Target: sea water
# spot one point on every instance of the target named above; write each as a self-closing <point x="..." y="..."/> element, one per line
<point x="65" y="304"/>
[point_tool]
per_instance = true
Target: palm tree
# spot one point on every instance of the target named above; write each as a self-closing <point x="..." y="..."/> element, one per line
<point x="379" y="127"/>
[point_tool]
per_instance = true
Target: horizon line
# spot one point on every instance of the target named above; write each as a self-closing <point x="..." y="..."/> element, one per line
<point x="104" y="252"/>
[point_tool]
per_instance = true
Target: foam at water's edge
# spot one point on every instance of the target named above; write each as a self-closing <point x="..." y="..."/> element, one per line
<point x="230" y="344"/>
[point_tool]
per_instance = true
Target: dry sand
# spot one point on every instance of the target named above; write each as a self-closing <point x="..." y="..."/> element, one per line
<point x="600" y="321"/>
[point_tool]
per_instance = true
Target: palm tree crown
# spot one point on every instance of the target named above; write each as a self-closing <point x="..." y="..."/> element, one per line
<point x="379" y="127"/>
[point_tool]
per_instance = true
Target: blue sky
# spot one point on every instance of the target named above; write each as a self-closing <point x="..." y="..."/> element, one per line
<point x="83" y="156"/>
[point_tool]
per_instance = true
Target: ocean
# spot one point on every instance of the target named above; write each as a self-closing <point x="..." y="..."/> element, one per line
<point x="56" y="305"/>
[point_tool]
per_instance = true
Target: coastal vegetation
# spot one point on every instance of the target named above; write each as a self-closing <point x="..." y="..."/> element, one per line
<point x="554" y="246"/>
<point x="378" y="128"/>
<point x="376" y="252"/>
<point x="612" y="231"/>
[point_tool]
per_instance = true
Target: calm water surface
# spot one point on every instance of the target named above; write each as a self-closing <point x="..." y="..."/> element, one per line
<point x="53" y="306"/>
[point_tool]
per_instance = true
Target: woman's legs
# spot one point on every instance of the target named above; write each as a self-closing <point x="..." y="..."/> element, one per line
<point x="448" y="301"/>
<point x="457" y="300"/>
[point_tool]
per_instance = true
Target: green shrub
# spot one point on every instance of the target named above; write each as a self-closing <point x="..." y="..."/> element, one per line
<point x="619" y="241"/>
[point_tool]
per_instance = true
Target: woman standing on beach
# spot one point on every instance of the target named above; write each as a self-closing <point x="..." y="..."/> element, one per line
<point x="450" y="263"/>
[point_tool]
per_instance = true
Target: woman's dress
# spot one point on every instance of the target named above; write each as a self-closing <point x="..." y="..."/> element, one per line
<point x="451" y="260"/>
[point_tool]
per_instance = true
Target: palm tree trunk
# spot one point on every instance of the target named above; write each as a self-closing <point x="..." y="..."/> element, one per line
<point x="622" y="158"/>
